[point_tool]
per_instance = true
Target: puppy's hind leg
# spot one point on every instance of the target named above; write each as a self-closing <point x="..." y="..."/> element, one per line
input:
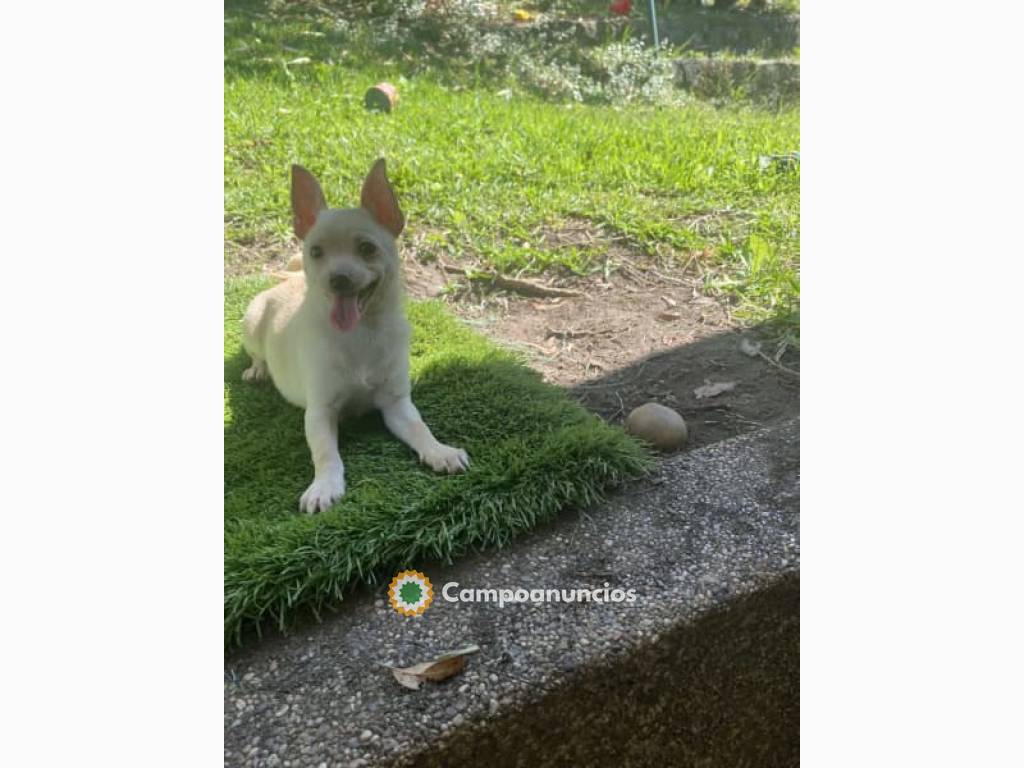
<point x="255" y="372"/>
<point x="407" y="425"/>
<point x="251" y="325"/>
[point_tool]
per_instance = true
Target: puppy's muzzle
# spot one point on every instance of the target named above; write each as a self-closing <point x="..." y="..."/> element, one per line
<point x="343" y="284"/>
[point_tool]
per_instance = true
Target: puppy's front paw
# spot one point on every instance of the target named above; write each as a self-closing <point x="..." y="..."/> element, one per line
<point x="444" y="458"/>
<point x="322" y="494"/>
<point x="255" y="372"/>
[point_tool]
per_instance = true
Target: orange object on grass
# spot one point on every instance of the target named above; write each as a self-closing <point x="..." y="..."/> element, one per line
<point x="381" y="97"/>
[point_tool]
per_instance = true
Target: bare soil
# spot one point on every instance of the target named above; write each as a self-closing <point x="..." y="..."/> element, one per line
<point x="638" y="331"/>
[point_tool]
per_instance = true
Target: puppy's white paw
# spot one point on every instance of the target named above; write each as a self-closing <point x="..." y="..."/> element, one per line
<point x="322" y="494"/>
<point x="255" y="372"/>
<point x="444" y="458"/>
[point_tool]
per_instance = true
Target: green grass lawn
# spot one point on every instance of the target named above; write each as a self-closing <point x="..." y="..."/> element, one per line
<point x="534" y="452"/>
<point x="485" y="165"/>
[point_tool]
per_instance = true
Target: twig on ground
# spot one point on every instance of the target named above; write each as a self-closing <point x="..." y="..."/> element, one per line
<point x="668" y="278"/>
<point x="599" y="384"/>
<point x="622" y="408"/>
<point x="745" y="420"/>
<point x="543" y="350"/>
<point x="570" y="333"/>
<point x="780" y="366"/>
<point x="688" y="262"/>
<point x="514" y="284"/>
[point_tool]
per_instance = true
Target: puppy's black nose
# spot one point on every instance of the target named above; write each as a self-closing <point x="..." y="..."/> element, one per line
<point x="342" y="283"/>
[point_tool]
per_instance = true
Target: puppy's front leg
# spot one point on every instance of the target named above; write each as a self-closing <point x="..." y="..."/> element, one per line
<point x="329" y="473"/>
<point x="407" y="425"/>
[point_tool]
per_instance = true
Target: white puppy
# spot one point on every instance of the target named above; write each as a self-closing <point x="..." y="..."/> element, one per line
<point x="334" y="338"/>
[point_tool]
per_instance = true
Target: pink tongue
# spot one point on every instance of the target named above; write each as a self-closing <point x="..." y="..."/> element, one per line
<point x="345" y="313"/>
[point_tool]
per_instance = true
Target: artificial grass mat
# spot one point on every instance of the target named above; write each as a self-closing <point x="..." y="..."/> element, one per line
<point x="534" y="452"/>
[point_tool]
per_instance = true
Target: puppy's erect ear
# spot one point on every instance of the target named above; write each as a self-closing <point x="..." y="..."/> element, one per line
<point x="379" y="199"/>
<point x="307" y="201"/>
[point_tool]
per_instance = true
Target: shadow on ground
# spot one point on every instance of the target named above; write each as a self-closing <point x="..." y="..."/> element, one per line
<point x="766" y="392"/>
<point x="722" y="691"/>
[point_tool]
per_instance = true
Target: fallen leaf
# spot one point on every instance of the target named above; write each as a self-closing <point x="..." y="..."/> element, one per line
<point x="435" y="670"/>
<point x="750" y="348"/>
<point x="669" y="302"/>
<point x="666" y="315"/>
<point x="710" y="389"/>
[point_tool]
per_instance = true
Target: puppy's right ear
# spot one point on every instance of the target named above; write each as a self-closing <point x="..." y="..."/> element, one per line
<point x="307" y="201"/>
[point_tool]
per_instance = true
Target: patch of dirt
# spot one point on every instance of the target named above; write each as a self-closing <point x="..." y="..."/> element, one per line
<point x="639" y="332"/>
<point x="255" y="257"/>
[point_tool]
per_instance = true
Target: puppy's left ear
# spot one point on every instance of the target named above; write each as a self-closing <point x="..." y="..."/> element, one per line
<point x="307" y="201"/>
<point x="379" y="199"/>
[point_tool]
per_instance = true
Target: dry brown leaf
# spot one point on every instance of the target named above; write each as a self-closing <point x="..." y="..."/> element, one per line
<point x="710" y="389"/>
<point x="435" y="670"/>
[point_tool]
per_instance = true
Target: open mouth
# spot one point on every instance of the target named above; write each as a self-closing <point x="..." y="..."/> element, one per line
<point x="348" y="308"/>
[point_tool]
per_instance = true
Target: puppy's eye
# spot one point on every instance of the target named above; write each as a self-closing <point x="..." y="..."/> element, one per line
<point x="367" y="249"/>
<point x="316" y="251"/>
